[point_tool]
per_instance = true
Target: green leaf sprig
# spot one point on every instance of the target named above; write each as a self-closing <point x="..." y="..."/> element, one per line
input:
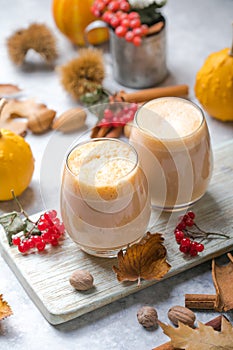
<point x="18" y="222"/>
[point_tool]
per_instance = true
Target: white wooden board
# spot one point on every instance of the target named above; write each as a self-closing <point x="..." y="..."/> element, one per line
<point x="45" y="276"/>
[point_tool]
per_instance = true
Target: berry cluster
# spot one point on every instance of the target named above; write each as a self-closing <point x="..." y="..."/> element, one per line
<point x="118" y="116"/>
<point x="185" y="238"/>
<point x="49" y="229"/>
<point x="125" y="24"/>
<point x="187" y="231"/>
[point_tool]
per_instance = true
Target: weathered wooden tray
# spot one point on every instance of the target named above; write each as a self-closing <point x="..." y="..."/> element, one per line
<point x="45" y="276"/>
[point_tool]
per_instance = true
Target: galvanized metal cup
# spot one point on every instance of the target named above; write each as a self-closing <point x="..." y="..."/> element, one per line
<point x="136" y="66"/>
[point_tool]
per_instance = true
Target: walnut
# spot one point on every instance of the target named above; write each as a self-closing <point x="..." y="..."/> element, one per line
<point x="147" y="317"/>
<point x="81" y="280"/>
<point x="181" y="314"/>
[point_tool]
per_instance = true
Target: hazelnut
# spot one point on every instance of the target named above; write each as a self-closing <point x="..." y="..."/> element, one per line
<point x="147" y="317"/>
<point x="181" y="314"/>
<point x="81" y="280"/>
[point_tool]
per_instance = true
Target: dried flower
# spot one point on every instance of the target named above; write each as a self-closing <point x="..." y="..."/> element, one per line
<point x="37" y="37"/>
<point x="83" y="74"/>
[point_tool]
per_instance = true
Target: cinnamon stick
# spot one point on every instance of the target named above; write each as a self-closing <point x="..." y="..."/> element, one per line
<point x="155" y="28"/>
<point x="115" y="132"/>
<point x="215" y="323"/>
<point x="103" y="130"/>
<point x="150" y="94"/>
<point x="200" y="301"/>
<point x="100" y="131"/>
<point x="94" y="132"/>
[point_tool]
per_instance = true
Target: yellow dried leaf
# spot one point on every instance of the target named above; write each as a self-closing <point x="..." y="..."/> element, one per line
<point x="146" y="259"/>
<point x="202" y="338"/>
<point x="5" y="309"/>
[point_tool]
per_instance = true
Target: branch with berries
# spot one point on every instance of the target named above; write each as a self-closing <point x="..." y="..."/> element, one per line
<point x="113" y="119"/>
<point x="131" y="20"/>
<point x="27" y="234"/>
<point x="190" y="236"/>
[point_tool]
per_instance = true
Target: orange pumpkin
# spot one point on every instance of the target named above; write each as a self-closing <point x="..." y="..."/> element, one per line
<point x="72" y="17"/>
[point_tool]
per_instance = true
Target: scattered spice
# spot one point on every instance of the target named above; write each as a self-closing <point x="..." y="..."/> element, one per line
<point x="182" y="314"/>
<point x="148" y="317"/>
<point x="81" y="280"/>
<point x="37" y="37"/>
<point x="146" y="259"/>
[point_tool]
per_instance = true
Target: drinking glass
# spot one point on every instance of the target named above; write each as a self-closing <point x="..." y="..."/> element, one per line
<point x="105" y="204"/>
<point x="171" y="137"/>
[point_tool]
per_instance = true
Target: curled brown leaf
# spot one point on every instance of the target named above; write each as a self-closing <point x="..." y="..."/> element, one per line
<point x="144" y="260"/>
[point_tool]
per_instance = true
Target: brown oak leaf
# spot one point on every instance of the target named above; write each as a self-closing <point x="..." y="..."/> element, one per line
<point x="5" y="309"/>
<point x="202" y="338"/>
<point x="146" y="259"/>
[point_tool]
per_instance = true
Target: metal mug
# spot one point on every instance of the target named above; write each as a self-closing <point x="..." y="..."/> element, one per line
<point x="136" y="67"/>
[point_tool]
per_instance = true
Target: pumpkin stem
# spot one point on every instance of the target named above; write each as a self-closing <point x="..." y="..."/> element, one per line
<point x="231" y="50"/>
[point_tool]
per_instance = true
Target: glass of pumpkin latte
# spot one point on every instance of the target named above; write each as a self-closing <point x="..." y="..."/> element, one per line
<point x="105" y="204"/>
<point x="171" y="137"/>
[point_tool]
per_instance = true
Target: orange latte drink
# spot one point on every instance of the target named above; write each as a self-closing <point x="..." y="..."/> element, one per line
<point x="172" y="139"/>
<point x="104" y="196"/>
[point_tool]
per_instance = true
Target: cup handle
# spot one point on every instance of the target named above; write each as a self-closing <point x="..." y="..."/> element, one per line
<point x="98" y="24"/>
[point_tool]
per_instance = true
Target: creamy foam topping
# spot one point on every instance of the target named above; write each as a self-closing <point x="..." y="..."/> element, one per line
<point x="169" y="118"/>
<point x="102" y="163"/>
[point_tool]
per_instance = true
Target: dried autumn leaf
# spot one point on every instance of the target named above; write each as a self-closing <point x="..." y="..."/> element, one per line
<point x="5" y="309"/>
<point x="8" y="89"/>
<point x="223" y="283"/>
<point x="202" y="338"/>
<point x="146" y="259"/>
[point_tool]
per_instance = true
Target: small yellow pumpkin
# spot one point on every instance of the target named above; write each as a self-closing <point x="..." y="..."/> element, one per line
<point x="72" y="17"/>
<point x="16" y="164"/>
<point x="214" y="85"/>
